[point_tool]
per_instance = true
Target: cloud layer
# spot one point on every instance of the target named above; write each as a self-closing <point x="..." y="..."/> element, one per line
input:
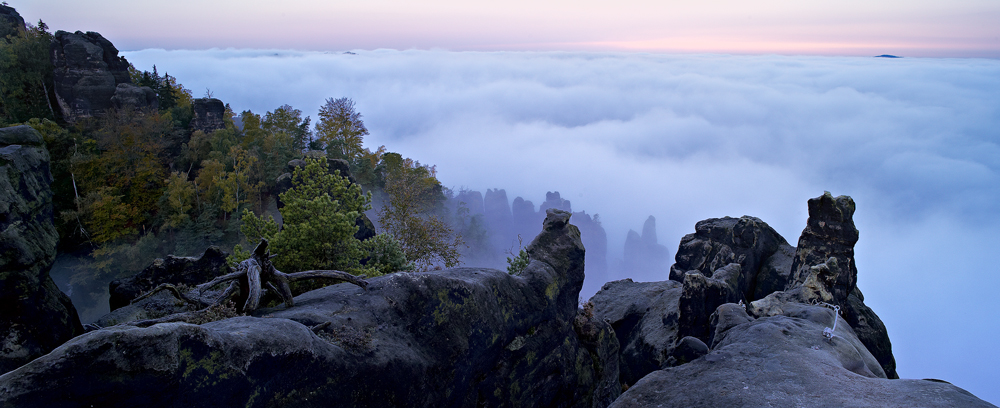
<point x="684" y="138"/>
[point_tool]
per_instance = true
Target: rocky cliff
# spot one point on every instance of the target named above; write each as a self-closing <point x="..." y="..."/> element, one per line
<point x="90" y="77"/>
<point x="209" y="115"/>
<point x="458" y="338"/>
<point x="10" y="21"/>
<point x="35" y="317"/>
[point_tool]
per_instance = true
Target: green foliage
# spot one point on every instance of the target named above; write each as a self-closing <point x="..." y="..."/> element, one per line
<point x="411" y="214"/>
<point x="517" y="264"/>
<point x="318" y="221"/>
<point x="239" y="255"/>
<point x="385" y="255"/>
<point x="25" y="69"/>
<point x="177" y="201"/>
<point x="340" y="129"/>
<point x="169" y="93"/>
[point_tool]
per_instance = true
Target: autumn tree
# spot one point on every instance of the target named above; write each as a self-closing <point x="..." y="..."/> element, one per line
<point x="340" y="129"/>
<point x="411" y="214"/>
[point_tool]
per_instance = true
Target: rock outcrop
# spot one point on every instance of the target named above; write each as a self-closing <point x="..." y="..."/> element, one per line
<point x="643" y="254"/>
<point x="459" y="338"/>
<point x="830" y="233"/>
<point x="209" y="115"/>
<point x="87" y="73"/>
<point x="176" y="270"/>
<point x="11" y="21"/>
<point x="130" y="96"/>
<point x="748" y="241"/>
<point x="35" y="317"/>
<point x="731" y="262"/>
<point x="785" y="361"/>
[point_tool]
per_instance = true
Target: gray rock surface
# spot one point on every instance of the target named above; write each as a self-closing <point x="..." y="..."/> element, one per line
<point x="784" y="361"/>
<point x="209" y="115"/>
<point x="830" y="233"/>
<point x="176" y="270"/>
<point x="717" y="242"/>
<point x="458" y="338"/>
<point x="87" y="71"/>
<point x="644" y="316"/>
<point x="130" y="96"/>
<point x="10" y="21"/>
<point x="35" y="316"/>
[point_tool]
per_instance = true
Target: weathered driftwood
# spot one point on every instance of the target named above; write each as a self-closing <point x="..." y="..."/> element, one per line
<point x="250" y="276"/>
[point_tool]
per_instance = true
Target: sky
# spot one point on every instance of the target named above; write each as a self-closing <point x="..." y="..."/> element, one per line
<point x="683" y="112"/>
<point x="926" y="28"/>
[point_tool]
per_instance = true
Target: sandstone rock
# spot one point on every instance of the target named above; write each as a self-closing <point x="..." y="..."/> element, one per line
<point x="688" y="349"/>
<point x="175" y="270"/>
<point x="10" y="21"/>
<point x="553" y="200"/>
<point x="643" y="253"/>
<point x="87" y="71"/>
<point x="644" y="316"/>
<point x="35" y="316"/>
<point x="718" y="242"/>
<point x="702" y="295"/>
<point x="131" y="96"/>
<point x="595" y="239"/>
<point x="209" y="115"/>
<point x="830" y="233"/>
<point x="472" y="200"/>
<point x="459" y="338"/>
<point x="784" y="360"/>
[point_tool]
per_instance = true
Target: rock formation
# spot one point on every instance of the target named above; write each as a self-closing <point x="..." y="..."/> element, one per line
<point x="785" y="361"/>
<point x="35" y="317"/>
<point x="761" y="252"/>
<point x="130" y="96"/>
<point x="209" y="115"/>
<point x="643" y="253"/>
<point x="10" y="21"/>
<point x="88" y="73"/>
<point x="461" y="337"/>
<point x="830" y="233"/>
<point x="729" y="261"/>
<point x="176" y="270"/>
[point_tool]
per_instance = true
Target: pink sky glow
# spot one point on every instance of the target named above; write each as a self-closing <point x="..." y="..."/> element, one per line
<point x="927" y="28"/>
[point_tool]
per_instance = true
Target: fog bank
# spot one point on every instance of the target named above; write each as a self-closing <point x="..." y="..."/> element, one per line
<point x="689" y="137"/>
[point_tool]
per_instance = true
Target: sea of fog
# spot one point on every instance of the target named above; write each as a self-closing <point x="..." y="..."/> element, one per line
<point x="690" y="137"/>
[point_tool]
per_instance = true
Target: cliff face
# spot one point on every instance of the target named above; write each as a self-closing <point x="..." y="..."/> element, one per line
<point x="90" y="77"/>
<point x="458" y="338"/>
<point x="35" y="317"/>
<point x="10" y="21"/>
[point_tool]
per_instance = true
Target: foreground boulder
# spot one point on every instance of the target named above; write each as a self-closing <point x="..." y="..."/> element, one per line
<point x="459" y="338"/>
<point x="35" y="316"/>
<point x="785" y="361"/>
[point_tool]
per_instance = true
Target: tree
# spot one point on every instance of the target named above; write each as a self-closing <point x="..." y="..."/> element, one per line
<point x="318" y="221"/>
<point x="237" y="185"/>
<point x="340" y="129"/>
<point x="25" y="69"/>
<point x="410" y="214"/>
<point x="288" y="120"/>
